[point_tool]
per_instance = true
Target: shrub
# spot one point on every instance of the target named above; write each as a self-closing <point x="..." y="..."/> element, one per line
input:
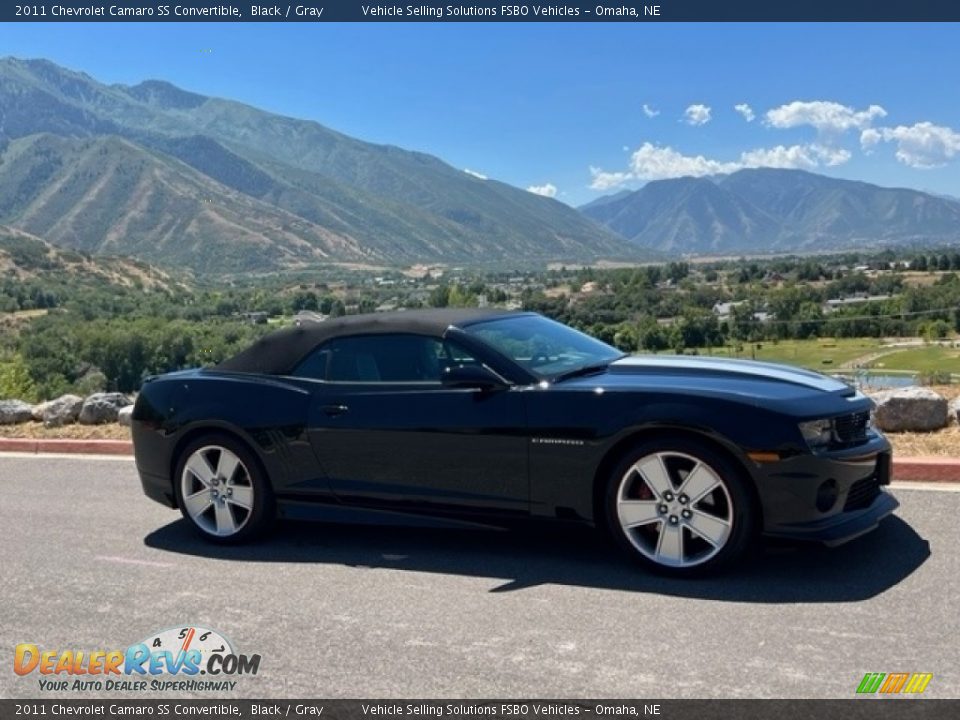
<point x="15" y="381"/>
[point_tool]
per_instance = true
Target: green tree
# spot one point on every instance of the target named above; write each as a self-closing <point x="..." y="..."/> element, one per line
<point x="15" y="380"/>
<point x="440" y="296"/>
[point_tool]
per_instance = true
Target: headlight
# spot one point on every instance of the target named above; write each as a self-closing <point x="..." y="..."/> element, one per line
<point x="817" y="433"/>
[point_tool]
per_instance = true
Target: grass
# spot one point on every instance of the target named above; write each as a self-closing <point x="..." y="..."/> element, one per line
<point x="36" y="431"/>
<point x="816" y="354"/>
<point x="928" y="359"/>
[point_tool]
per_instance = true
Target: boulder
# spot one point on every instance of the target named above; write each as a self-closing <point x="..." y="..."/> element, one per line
<point x="102" y="408"/>
<point x="912" y="409"/>
<point x="13" y="412"/>
<point x="38" y="411"/>
<point x="62" y="411"/>
<point x="125" y="415"/>
<point x="955" y="409"/>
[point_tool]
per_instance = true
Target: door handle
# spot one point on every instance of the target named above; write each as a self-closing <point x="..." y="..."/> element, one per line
<point x="334" y="410"/>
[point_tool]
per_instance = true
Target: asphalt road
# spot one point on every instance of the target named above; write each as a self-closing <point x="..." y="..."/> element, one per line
<point x="338" y="611"/>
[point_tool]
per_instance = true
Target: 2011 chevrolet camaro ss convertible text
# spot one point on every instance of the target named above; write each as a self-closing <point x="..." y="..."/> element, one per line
<point x="490" y="416"/>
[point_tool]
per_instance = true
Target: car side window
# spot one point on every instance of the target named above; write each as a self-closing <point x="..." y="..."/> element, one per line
<point x="382" y="359"/>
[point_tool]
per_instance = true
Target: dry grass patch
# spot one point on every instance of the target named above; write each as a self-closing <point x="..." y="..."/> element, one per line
<point x="942" y="443"/>
<point x="36" y="431"/>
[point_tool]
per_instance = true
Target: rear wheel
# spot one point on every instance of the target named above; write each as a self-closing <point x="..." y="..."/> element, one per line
<point x="222" y="491"/>
<point x="680" y="508"/>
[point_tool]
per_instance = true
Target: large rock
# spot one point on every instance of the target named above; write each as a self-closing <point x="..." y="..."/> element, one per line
<point x="38" y="411"/>
<point x="15" y="411"/>
<point x="125" y="416"/>
<point x="912" y="409"/>
<point x="955" y="409"/>
<point x="62" y="411"/>
<point x="102" y="408"/>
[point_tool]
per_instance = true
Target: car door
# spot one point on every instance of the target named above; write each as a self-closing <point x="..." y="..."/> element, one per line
<point x="388" y="433"/>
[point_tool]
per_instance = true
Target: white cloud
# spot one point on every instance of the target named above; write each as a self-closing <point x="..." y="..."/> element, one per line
<point x="746" y="111"/>
<point x="802" y="157"/>
<point x="697" y="115"/>
<point x="475" y="174"/>
<point x="654" y="162"/>
<point x="605" y="180"/>
<point x="869" y="138"/>
<point x="649" y="111"/>
<point x="922" y="145"/>
<point x="546" y="190"/>
<point x="823" y="115"/>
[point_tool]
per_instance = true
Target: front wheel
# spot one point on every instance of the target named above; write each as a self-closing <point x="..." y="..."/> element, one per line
<point x="680" y="508"/>
<point x="222" y="491"/>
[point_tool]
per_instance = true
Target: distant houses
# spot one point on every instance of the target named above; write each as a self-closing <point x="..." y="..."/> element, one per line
<point x="855" y="299"/>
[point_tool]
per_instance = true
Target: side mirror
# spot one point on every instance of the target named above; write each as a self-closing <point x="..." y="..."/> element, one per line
<point x="471" y="376"/>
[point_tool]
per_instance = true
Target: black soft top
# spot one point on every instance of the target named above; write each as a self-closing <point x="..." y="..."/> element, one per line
<point x="278" y="353"/>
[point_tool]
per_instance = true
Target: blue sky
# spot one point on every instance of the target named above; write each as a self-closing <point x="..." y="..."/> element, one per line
<point x="561" y="106"/>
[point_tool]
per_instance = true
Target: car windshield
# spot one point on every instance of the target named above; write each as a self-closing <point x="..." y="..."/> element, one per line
<point x="546" y="348"/>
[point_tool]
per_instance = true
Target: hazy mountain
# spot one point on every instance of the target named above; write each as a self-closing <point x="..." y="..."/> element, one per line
<point x="770" y="209"/>
<point x="604" y="199"/>
<point x="216" y="185"/>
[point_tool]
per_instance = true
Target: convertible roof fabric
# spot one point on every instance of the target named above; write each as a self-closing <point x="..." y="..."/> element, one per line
<point x="279" y="352"/>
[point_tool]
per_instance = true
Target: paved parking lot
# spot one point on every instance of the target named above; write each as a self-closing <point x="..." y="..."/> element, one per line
<point x="338" y="611"/>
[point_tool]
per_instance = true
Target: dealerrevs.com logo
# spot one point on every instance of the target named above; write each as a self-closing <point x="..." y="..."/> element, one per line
<point x="189" y="658"/>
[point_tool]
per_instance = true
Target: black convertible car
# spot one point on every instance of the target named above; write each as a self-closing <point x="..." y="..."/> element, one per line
<point x="488" y="416"/>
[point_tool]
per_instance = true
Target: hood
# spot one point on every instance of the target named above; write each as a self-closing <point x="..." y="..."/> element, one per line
<point x="724" y="369"/>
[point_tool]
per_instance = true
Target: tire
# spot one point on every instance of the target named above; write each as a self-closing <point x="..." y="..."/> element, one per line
<point x="680" y="508"/>
<point x="222" y="490"/>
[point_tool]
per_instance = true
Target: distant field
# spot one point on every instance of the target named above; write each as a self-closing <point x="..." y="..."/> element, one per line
<point x="932" y="358"/>
<point x="818" y="354"/>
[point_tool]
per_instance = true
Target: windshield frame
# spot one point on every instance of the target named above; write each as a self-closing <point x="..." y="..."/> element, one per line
<point x="599" y="360"/>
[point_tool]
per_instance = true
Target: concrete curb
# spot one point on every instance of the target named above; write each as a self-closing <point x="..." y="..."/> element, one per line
<point x="911" y="469"/>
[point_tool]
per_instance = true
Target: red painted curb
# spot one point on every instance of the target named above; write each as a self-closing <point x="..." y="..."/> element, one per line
<point x="77" y="447"/>
<point x="926" y="469"/>
<point x="18" y="445"/>
<point x="910" y="469"/>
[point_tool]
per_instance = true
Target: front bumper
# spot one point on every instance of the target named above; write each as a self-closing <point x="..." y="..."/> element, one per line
<point x="793" y="492"/>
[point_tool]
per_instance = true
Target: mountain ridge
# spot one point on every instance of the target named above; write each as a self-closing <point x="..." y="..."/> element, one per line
<point x="774" y="209"/>
<point x="322" y="195"/>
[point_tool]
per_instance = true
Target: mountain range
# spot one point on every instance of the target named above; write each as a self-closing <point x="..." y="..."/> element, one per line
<point x="772" y="210"/>
<point x="217" y="186"/>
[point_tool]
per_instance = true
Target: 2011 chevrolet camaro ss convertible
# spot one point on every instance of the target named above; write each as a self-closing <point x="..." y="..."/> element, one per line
<point x="488" y="416"/>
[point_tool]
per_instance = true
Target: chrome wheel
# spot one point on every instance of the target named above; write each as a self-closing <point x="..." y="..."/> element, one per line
<point x="217" y="491"/>
<point x="675" y="509"/>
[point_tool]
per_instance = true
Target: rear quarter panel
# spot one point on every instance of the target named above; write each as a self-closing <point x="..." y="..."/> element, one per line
<point x="266" y="414"/>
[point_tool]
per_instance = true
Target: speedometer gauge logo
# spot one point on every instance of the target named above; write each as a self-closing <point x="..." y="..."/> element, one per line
<point x="184" y="639"/>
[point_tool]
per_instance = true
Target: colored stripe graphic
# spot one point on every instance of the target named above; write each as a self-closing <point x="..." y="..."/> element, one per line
<point x="871" y="682"/>
<point x="918" y="682"/>
<point x="894" y="683"/>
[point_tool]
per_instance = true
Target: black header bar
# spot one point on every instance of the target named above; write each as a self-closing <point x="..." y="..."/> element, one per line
<point x="629" y="11"/>
<point x="872" y="708"/>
